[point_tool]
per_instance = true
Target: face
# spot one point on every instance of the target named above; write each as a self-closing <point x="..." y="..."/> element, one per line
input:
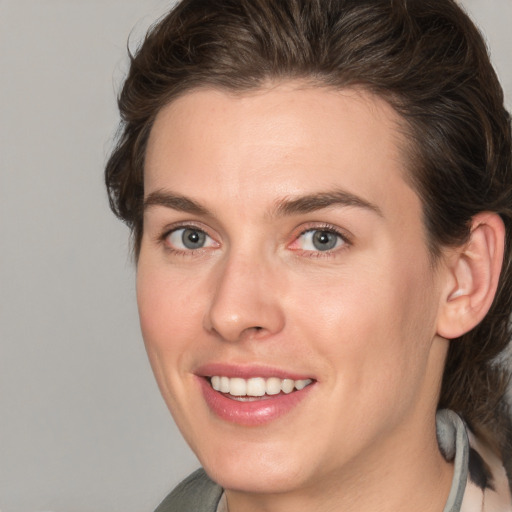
<point x="287" y="300"/>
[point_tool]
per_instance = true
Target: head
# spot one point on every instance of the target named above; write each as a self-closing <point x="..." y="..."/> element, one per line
<point x="425" y="61"/>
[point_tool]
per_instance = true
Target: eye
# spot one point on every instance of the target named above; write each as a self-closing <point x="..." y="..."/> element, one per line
<point x="321" y="240"/>
<point x="189" y="239"/>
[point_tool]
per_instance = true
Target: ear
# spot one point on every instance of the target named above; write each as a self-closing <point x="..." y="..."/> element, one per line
<point x="472" y="274"/>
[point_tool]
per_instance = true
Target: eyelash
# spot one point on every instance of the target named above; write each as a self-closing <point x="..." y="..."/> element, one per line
<point x="328" y="228"/>
<point x="163" y="239"/>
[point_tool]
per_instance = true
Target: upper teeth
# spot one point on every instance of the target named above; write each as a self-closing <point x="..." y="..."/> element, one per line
<point x="257" y="386"/>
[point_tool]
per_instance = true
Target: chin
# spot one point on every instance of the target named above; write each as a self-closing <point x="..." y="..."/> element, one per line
<point x="259" y="475"/>
<point x="253" y="483"/>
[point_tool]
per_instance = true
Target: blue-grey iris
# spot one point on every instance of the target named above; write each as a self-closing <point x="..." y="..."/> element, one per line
<point x="324" y="240"/>
<point x="193" y="238"/>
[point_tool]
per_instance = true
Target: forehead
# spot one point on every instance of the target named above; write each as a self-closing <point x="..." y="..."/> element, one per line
<point x="285" y="140"/>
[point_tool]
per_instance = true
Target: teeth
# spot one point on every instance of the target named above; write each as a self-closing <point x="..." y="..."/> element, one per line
<point x="224" y="384"/>
<point x="238" y="387"/>
<point x="288" y="385"/>
<point x="301" y="384"/>
<point x="273" y="386"/>
<point x="257" y="386"/>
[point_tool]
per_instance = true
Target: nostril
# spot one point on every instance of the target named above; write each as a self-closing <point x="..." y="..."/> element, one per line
<point x="253" y="331"/>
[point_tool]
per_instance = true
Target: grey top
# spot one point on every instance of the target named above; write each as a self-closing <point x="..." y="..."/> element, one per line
<point x="198" y="493"/>
<point x="454" y="445"/>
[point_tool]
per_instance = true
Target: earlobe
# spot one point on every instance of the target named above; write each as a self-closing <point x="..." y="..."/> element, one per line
<point x="473" y="271"/>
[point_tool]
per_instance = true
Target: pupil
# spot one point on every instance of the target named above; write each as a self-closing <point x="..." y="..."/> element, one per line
<point x="324" y="240"/>
<point x="193" y="239"/>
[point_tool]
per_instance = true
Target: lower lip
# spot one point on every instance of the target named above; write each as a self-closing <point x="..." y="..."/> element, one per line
<point x="254" y="413"/>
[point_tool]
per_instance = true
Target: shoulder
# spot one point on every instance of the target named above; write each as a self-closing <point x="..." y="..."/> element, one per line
<point x="197" y="492"/>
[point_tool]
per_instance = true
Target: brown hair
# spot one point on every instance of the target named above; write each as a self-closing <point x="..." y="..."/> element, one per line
<point x="425" y="57"/>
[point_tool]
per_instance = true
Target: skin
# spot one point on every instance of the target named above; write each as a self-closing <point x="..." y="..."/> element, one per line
<point x="360" y="319"/>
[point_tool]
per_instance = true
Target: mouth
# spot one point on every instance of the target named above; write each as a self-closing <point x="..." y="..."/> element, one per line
<point x="252" y="396"/>
<point x="255" y="388"/>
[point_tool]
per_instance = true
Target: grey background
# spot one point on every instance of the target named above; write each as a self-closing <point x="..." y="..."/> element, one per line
<point x="82" y="425"/>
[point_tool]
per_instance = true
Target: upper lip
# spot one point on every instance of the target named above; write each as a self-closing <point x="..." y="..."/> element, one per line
<point x="245" y="371"/>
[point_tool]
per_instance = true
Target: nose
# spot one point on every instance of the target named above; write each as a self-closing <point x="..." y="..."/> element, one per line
<point x="245" y="300"/>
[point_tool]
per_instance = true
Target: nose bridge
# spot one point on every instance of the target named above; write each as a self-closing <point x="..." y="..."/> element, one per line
<point x="245" y="298"/>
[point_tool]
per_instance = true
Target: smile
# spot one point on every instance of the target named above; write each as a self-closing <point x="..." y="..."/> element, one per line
<point x="252" y="396"/>
<point x="256" y="386"/>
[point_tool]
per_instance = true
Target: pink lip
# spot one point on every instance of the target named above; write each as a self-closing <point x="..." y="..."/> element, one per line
<point x="254" y="413"/>
<point x="247" y="371"/>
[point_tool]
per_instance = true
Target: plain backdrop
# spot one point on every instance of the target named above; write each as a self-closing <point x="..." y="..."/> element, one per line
<point x="82" y="425"/>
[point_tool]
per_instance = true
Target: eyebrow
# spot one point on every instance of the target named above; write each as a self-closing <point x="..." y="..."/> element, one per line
<point x="318" y="201"/>
<point x="283" y="207"/>
<point x="175" y="202"/>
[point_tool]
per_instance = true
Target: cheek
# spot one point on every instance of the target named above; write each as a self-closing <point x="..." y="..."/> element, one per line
<point x="169" y="318"/>
<point x="168" y="303"/>
<point x="374" y="325"/>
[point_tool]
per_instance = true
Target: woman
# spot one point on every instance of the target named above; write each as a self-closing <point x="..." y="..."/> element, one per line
<point x="320" y="198"/>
